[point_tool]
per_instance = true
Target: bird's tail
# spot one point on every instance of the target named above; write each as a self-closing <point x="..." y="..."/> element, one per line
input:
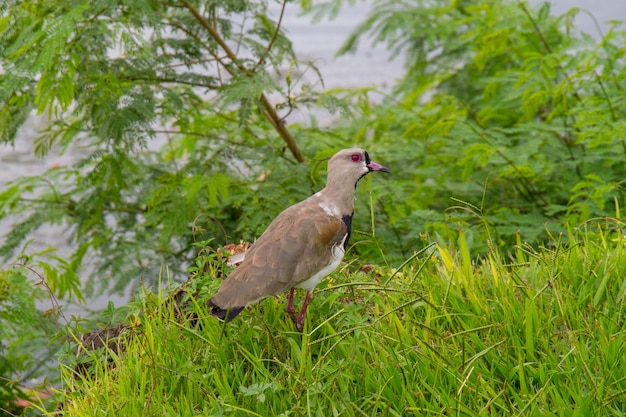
<point x="224" y="314"/>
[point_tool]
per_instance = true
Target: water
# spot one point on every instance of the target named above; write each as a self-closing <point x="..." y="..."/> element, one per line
<point x="603" y="11"/>
<point x="367" y="67"/>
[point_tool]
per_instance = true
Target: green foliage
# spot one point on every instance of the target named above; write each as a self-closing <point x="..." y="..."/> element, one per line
<point x="509" y="123"/>
<point x="506" y="110"/>
<point x="509" y="110"/>
<point x="166" y="106"/>
<point x="25" y="333"/>
<point x="536" y="333"/>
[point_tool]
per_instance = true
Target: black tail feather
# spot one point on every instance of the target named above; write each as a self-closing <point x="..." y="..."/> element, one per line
<point x="224" y="314"/>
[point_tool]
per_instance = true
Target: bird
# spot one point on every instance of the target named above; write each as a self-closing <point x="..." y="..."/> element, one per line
<point x="301" y="246"/>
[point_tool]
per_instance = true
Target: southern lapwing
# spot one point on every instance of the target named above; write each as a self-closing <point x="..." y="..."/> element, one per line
<point x="301" y="246"/>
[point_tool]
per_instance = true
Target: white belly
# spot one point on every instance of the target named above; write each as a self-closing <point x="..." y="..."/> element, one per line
<point x="335" y="260"/>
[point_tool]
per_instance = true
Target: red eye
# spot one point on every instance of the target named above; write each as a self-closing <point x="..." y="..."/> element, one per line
<point x="355" y="157"/>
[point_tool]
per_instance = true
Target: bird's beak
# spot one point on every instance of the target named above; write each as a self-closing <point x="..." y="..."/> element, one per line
<point x="373" y="166"/>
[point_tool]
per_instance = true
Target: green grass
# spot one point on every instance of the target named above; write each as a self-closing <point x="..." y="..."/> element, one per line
<point x="538" y="332"/>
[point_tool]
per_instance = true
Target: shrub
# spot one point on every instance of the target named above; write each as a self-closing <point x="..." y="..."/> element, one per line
<point x="507" y="116"/>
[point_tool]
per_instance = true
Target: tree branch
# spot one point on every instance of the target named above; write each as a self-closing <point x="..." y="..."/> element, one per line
<point x="270" y="111"/>
<point x="274" y="36"/>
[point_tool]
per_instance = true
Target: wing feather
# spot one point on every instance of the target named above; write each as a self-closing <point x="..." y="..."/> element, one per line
<point x="295" y="246"/>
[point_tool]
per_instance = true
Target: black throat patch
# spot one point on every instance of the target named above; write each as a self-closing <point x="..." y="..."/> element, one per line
<point x="367" y="162"/>
<point x="347" y="220"/>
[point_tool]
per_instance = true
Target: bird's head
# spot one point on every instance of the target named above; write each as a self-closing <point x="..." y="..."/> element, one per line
<point x="348" y="166"/>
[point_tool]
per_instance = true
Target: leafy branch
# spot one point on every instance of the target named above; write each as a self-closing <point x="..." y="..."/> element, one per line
<point x="269" y="109"/>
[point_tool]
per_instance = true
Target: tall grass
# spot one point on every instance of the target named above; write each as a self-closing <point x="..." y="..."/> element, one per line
<point x="537" y="332"/>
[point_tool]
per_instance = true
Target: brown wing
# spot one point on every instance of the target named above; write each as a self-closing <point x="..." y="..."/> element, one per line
<point x="296" y="245"/>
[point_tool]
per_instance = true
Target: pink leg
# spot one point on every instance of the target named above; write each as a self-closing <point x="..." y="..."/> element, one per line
<point x="290" y="310"/>
<point x="302" y="315"/>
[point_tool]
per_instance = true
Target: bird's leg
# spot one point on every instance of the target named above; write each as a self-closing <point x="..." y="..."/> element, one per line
<point x="290" y="310"/>
<point x="302" y="315"/>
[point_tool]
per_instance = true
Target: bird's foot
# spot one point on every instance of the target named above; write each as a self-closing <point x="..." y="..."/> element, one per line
<point x="293" y="316"/>
<point x="291" y="311"/>
<point x="298" y="320"/>
<point x="302" y="316"/>
<point x="299" y="324"/>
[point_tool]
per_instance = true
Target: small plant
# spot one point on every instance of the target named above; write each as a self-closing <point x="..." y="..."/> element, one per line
<point x="28" y="336"/>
